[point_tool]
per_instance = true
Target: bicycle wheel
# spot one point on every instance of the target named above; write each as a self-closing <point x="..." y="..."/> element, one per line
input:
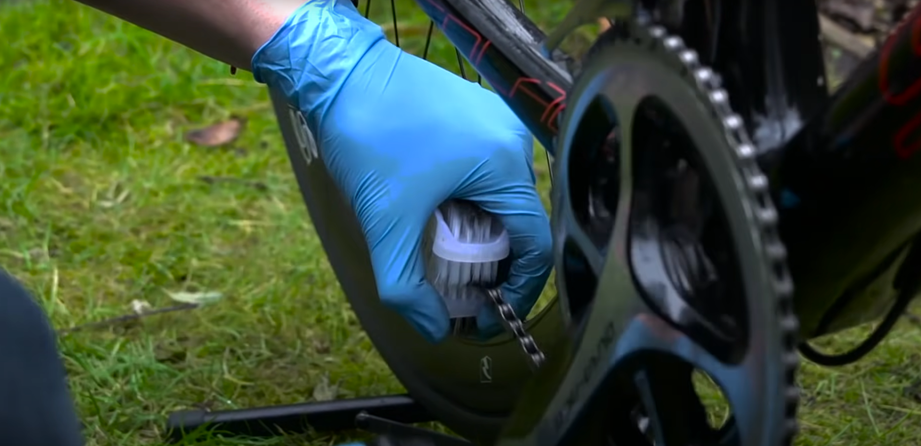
<point x="469" y="386"/>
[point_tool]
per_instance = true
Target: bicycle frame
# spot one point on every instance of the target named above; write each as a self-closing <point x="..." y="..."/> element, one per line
<point x="536" y="92"/>
<point x="842" y="167"/>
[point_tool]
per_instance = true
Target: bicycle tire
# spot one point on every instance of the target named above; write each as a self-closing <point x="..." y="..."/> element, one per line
<point x="449" y="379"/>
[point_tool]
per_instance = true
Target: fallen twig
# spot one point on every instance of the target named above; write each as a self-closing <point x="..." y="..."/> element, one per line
<point x="126" y="318"/>
<point x="258" y="185"/>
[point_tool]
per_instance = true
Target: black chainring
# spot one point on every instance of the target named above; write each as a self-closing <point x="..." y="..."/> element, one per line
<point x="658" y="182"/>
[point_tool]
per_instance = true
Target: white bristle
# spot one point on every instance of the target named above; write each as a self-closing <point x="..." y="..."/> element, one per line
<point x="467" y="246"/>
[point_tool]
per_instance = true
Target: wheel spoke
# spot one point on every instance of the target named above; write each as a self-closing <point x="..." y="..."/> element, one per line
<point x="460" y="63"/>
<point x="428" y="40"/>
<point x="396" y="29"/>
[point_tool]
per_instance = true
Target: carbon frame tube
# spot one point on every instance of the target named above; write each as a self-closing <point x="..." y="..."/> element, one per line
<point x="771" y="61"/>
<point x="848" y="187"/>
<point x="533" y="87"/>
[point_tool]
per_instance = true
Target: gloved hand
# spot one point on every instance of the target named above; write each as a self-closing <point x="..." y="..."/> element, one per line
<point x="400" y="135"/>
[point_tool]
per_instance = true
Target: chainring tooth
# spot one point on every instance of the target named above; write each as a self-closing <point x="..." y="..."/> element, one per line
<point x="755" y="184"/>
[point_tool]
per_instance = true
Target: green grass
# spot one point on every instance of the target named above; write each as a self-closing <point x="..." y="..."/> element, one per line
<point x="102" y="204"/>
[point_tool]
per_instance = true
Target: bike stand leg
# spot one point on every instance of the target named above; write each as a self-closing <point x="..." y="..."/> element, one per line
<point x="273" y="421"/>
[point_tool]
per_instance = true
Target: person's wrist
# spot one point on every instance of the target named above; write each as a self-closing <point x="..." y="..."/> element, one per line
<point x="314" y="50"/>
<point x="270" y="16"/>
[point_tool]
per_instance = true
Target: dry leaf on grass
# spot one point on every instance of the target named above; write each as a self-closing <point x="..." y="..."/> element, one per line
<point x="202" y="298"/>
<point x="321" y="346"/>
<point x="141" y="306"/>
<point x="114" y="196"/>
<point x="218" y="134"/>
<point x="324" y="391"/>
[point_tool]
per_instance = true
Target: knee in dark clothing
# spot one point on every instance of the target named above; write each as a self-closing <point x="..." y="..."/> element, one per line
<point x="35" y="404"/>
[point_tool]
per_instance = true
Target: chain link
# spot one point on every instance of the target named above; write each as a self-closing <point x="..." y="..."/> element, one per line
<point x="516" y="326"/>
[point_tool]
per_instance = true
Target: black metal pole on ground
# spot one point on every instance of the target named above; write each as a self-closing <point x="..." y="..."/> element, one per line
<point x="272" y="421"/>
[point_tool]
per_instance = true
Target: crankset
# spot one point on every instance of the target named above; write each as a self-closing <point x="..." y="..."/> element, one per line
<point x="668" y="261"/>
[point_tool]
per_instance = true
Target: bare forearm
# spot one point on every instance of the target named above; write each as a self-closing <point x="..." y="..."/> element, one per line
<point x="227" y="30"/>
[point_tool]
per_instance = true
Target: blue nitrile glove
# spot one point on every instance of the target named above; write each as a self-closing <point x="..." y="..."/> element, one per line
<point x="400" y="136"/>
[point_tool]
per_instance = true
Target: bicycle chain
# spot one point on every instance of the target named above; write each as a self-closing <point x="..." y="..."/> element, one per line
<point x="708" y="86"/>
<point x="514" y="324"/>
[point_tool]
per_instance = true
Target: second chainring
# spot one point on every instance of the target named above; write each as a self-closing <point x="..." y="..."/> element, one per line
<point x="663" y="215"/>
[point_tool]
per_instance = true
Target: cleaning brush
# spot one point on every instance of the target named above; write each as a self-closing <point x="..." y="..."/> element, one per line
<point x="467" y="246"/>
